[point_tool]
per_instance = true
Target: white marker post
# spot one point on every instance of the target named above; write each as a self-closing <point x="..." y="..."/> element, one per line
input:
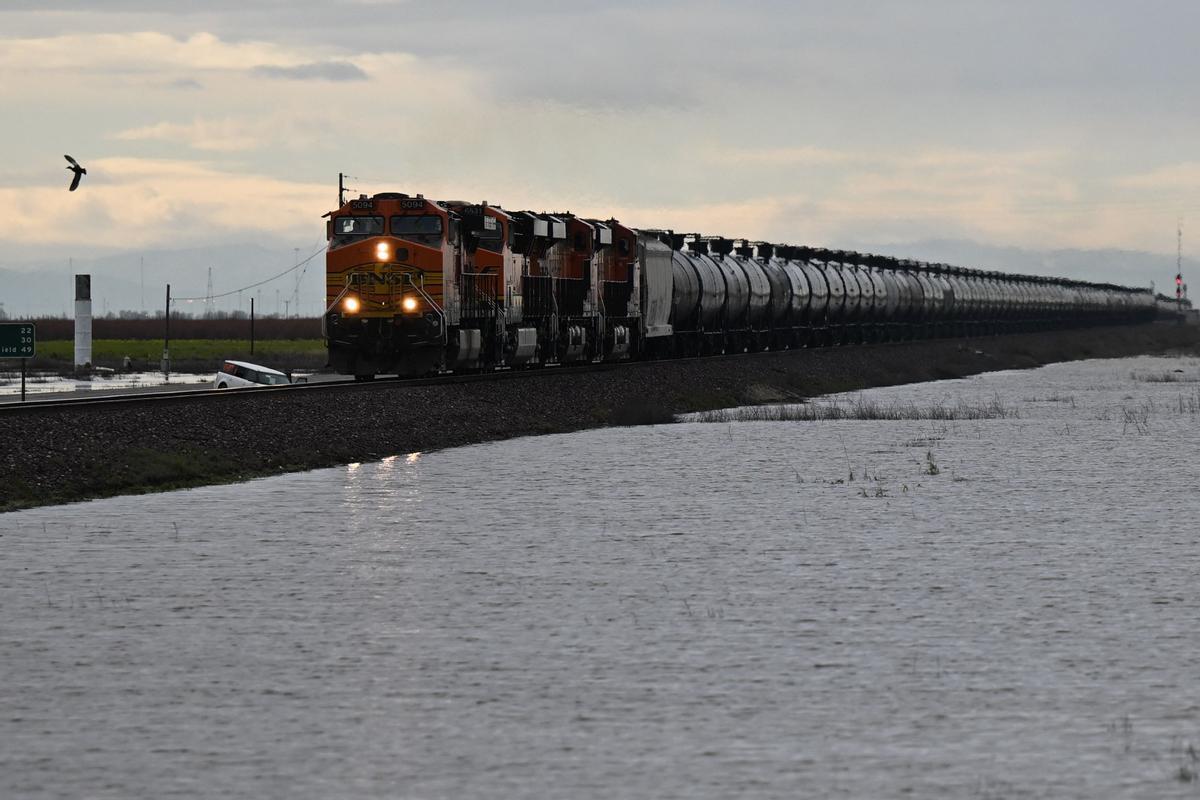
<point x="83" y="322"/>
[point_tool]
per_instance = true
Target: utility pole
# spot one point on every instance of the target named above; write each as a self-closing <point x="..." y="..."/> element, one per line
<point x="1179" y="266"/>
<point x="251" y="325"/>
<point x="296" y="292"/>
<point x="343" y="188"/>
<point x="142" y="276"/>
<point x="166" y="357"/>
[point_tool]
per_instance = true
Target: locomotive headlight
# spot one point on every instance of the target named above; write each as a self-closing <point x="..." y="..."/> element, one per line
<point x="351" y="305"/>
<point x="409" y="304"/>
<point x="383" y="252"/>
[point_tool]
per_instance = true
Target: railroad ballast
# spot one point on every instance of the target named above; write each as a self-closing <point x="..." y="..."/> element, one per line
<point x="417" y="286"/>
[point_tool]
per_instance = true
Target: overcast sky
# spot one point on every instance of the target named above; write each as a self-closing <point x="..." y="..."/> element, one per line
<point x="1030" y="124"/>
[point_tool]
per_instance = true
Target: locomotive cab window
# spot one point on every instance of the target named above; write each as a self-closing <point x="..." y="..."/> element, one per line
<point x="492" y="238"/>
<point x="424" y="229"/>
<point x="351" y="229"/>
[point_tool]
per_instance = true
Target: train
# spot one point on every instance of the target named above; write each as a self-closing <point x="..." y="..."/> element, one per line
<point x="416" y="286"/>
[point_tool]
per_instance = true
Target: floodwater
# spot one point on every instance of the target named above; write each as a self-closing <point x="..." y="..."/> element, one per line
<point x="1001" y="607"/>
<point x="52" y="383"/>
<point x="44" y="383"/>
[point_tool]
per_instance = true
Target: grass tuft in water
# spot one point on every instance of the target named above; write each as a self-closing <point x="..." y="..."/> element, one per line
<point x="861" y="408"/>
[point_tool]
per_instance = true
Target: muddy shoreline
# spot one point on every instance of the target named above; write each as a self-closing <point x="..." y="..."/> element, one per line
<point x="63" y="455"/>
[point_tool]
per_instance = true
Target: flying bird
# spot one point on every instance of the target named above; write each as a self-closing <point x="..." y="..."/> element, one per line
<point x="78" y="170"/>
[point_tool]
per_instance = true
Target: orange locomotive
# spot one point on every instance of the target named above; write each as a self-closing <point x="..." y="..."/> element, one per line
<point x="415" y="286"/>
<point x="388" y="269"/>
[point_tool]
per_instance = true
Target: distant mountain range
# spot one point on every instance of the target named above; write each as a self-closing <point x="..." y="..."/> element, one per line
<point x="37" y="284"/>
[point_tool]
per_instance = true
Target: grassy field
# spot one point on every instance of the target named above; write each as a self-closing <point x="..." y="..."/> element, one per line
<point x="188" y="354"/>
<point x="56" y="328"/>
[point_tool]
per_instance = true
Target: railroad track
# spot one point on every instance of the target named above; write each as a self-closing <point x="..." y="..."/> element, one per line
<point x="183" y="395"/>
<point x="151" y="398"/>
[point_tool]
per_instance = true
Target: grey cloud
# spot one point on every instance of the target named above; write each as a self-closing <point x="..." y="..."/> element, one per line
<point x="316" y="71"/>
<point x="1102" y="79"/>
<point x="185" y="83"/>
<point x="626" y="54"/>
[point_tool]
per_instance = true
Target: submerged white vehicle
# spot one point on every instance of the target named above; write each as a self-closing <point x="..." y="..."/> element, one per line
<point x="240" y="374"/>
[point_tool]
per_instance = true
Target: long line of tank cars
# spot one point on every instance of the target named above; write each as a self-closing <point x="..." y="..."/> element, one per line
<point x="416" y="286"/>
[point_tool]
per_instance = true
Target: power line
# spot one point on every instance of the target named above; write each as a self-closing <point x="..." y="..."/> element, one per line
<point x="292" y="268"/>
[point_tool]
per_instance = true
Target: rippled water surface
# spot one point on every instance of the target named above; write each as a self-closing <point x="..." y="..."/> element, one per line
<point x="1001" y="607"/>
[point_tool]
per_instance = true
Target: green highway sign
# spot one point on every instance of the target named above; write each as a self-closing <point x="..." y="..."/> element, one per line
<point x="17" y="339"/>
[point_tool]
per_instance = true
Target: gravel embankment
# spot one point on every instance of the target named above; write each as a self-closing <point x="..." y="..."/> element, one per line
<point x="63" y="455"/>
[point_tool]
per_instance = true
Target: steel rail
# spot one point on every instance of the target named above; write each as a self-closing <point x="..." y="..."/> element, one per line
<point x="150" y="398"/>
